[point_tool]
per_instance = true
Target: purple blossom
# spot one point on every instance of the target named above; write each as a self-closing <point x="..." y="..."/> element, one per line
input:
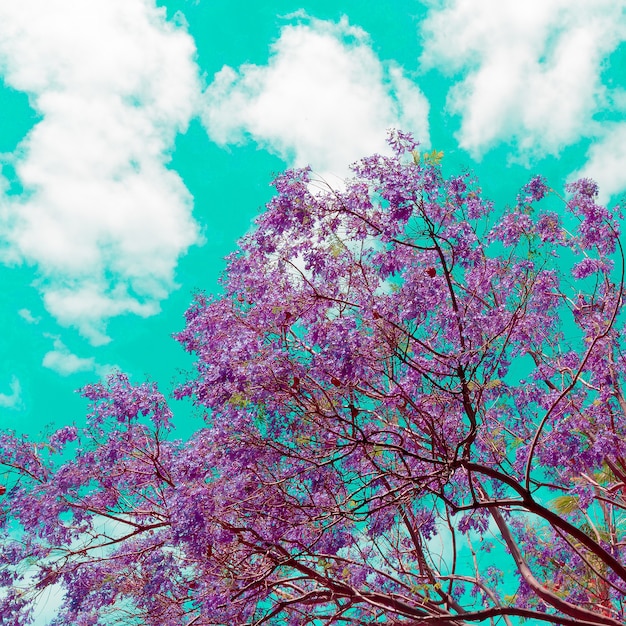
<point x="549" y="228"/>
<point x="589" y="266"/>
<point x="401" y="142"/>
<point x="534" y="190"/>
<point x="511" y="228"/>
<point x="584" y="186"/>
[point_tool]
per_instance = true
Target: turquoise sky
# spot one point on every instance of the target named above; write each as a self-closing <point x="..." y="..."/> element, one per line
<point x="138" y="141"/>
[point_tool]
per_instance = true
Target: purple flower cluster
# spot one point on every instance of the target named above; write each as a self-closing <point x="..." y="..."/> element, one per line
<point x="534" y="190"/>
<point x="390" y="364"/>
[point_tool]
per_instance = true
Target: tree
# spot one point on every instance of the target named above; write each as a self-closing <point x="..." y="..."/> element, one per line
<point x="408" y="396"/>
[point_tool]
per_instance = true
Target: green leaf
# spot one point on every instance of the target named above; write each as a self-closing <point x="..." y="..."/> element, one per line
<point x="565" y="504"/>
<point x="434" y="157"/>
<point x="239" y="400"/>
<point x="492" y="384"/>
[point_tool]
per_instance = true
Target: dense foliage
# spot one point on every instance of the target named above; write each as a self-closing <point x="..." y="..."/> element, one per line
<point x="415" y="415"/>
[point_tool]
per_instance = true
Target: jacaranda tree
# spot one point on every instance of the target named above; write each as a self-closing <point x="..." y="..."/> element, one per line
<point x="415" y="414"/>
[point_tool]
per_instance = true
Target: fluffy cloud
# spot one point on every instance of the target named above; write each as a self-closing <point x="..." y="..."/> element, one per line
<point x="605" y="163"/>
<point x="101" y="215"/>
<point x="14" y="397"/>
<point x="27" y="316"/>
<point x="64" y="362"/>
<point x="323" y="99"/>
<point x="532" y="70"/>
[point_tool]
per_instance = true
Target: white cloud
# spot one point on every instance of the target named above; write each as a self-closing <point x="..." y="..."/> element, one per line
<point x="532" y="69"/>
<point x="64" y="362"/>
<point x="14" y="397"/>
<point x="102" y="216"/>
<point x="27" y="316"/>
<point x="605" y="164"/>
<point x="323" y="99"/>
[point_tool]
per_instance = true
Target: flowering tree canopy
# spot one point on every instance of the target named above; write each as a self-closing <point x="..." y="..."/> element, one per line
<point x="414" y="415"/>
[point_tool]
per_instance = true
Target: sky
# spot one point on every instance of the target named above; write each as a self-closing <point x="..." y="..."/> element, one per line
<point x="138" y="141"/>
